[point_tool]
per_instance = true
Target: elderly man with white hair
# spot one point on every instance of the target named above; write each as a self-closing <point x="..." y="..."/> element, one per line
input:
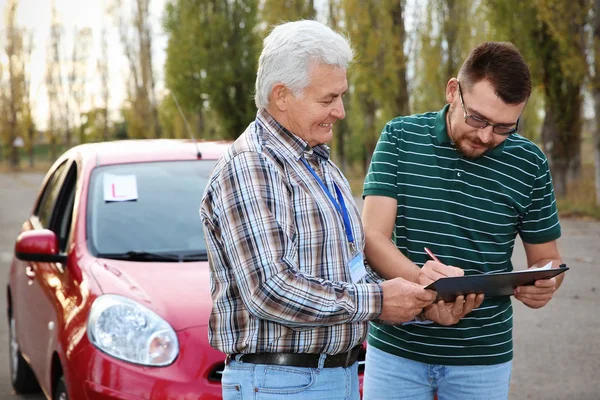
<point x="291" y="301"/>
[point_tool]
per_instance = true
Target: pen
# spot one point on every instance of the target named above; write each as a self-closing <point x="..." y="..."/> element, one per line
<point x="433" y="257"/>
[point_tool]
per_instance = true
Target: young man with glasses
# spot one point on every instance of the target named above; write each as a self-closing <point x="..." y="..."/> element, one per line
<point x="463" y="183"/>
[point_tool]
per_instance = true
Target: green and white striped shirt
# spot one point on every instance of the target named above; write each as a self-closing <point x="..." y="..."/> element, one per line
<point x="468" y="212"/>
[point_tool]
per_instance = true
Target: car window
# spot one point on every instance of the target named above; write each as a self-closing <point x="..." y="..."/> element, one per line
<point x="49" y="196"/>
<point x="147" y="207"/>
<point x="62" y="216"/>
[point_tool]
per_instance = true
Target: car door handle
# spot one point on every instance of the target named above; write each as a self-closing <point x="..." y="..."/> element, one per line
<point x="30" y="272"/>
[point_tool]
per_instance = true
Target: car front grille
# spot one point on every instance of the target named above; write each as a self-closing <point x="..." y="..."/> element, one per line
<point x="361" y="359"/>
<point x="216" y="373"/>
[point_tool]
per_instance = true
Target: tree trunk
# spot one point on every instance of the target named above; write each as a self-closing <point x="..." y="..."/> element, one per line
<point x="561" y="131"/>
<point x="597" y="154"/>
<point x="558" y="165"/>
<point x="105" y="122"/>
<point x="200" y="125"/>
<point x="14" y="156"/>
<point x="371" y="142"/>
<point x="31" y="137"/>
<point x="596" y="91"/>
<point x="53" y="147"/>
<point x="402" y="104"/>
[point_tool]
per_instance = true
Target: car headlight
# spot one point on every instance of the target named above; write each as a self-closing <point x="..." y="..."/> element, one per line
<point x="129" y="331"/>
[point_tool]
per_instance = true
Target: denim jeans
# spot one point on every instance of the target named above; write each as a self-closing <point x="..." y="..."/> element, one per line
<point x="388" y="376"/>
<point x="243" y="380"/>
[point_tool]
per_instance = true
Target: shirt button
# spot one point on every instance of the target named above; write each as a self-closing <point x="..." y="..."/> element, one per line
<point x="458" y="173"/>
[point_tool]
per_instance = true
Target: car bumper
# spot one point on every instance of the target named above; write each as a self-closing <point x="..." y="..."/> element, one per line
<point x="195" y="374"/>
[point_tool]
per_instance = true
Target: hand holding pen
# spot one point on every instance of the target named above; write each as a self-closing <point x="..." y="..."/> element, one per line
<point x="441" y="312"/>
<point x="434" y="270"/>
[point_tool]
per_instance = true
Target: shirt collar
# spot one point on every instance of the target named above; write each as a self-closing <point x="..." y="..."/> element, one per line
<point x="441" y="132"/>
<point x="297" y="146"/>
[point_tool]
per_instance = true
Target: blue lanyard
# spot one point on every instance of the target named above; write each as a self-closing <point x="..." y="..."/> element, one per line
<point x="340" y="207"/>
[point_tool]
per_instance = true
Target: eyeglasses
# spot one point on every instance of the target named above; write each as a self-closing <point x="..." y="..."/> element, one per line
<point x="480" y="123"/>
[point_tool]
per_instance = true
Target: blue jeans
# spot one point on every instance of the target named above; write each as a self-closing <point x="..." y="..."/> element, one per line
<point x="270" y="382"/>
<point x="388" y="376"/>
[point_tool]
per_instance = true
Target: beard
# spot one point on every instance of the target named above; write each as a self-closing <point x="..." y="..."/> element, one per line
<point x="464" y="142"/>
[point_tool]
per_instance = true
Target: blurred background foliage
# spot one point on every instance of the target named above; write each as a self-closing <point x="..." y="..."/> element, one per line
<point x="406" y="50"/>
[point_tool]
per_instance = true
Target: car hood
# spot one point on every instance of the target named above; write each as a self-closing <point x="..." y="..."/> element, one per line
<point x="178" y="292"/>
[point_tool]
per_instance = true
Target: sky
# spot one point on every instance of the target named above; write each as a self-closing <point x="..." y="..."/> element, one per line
<point x="35" y="16"/>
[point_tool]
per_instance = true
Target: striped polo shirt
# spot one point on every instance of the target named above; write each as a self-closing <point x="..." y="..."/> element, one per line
<point x="468" y="212"/>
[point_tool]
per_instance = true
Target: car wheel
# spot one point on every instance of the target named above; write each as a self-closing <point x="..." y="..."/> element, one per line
<point x="61" y="390"/>
<point x="21" y="376"/>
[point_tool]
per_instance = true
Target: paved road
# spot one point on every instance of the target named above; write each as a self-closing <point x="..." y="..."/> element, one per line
<point x="557" y="348"/>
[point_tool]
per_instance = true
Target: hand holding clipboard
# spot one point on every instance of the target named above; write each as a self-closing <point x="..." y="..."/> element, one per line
<point x="491" y="285"/>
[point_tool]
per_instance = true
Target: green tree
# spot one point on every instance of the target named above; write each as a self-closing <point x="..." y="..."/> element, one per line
<point x="211" y="61"/>
<point x="341" y="143"/>
<point x="596" y="93"/>
<point x="443" y="40"/>
<point x="11" y="99"/>
<point x="93" y="126"/>
<point x="276" y="11"/>
<point x="135" y="32"/>
<point x="551" y="35"/>
<point x="378" y="78"/>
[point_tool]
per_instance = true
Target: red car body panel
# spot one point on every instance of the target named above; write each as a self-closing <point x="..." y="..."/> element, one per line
<point x="61" y="296"/>
<point x="51" y="301"/>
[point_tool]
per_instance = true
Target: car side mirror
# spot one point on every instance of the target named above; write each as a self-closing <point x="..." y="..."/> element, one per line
<point x="39" y="245"/>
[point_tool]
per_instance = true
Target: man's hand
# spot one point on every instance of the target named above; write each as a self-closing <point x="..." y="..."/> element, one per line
<point x="402" y="300"/>
<point x="433" y="270"/>
<point x="450" y="313"/>
<point x="537" y="295"/>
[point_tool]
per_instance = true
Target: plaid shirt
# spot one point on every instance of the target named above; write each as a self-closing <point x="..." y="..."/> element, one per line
<point x="278" y="251"/>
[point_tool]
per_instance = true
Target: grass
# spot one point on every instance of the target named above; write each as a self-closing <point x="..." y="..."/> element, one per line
<point x="580" y="201"/>
<point x="39" y="166"/>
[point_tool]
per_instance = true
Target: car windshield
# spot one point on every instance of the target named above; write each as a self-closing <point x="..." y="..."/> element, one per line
<point x="148" y="211"/>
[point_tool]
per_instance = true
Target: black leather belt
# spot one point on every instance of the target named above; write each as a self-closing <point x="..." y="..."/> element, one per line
<point x="304" y="360"/>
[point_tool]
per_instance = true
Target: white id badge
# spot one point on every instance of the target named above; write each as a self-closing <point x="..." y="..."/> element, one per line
<point x="357" y="268"/>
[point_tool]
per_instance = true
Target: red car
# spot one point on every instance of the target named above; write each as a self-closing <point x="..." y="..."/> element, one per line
<point x="109" y="291"/>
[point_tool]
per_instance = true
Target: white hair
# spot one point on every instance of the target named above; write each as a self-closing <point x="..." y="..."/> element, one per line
<point x="291" y="49"/>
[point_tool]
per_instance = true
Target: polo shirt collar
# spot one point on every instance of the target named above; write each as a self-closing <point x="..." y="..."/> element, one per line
<point x="295" y="145"/>
<point x="441" y="132"/>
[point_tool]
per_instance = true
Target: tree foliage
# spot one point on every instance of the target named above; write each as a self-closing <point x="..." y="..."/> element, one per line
<point x="135" y="31"/>
<point x="211" y="59"/>
<point x="277" y="11"/>
<point x="443" y="41"/>
<point x="14" y="118"/>
<point x="378" y="77"/>
<point x="551" y="35"/>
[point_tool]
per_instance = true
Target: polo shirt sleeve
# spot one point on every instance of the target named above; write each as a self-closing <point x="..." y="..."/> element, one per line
<point x="381" y="180"/>
<point x="540" y="222"/>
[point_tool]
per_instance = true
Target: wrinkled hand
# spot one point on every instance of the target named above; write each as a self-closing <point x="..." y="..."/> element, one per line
<point x="537" y="295"/>
<point x="450" y="313"/>
<point x="402" y="300"/>
<point x="433" y="270"/>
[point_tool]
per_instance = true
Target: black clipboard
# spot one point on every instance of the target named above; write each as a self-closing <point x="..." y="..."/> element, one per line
<point x="491" y="285"/>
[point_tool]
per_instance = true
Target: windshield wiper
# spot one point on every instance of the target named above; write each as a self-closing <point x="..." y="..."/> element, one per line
<point x="199" y="256"/>
<point x="141" y="256"/>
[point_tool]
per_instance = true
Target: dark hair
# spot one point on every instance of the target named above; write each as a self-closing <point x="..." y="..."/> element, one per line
<point x="501" y="64"/>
